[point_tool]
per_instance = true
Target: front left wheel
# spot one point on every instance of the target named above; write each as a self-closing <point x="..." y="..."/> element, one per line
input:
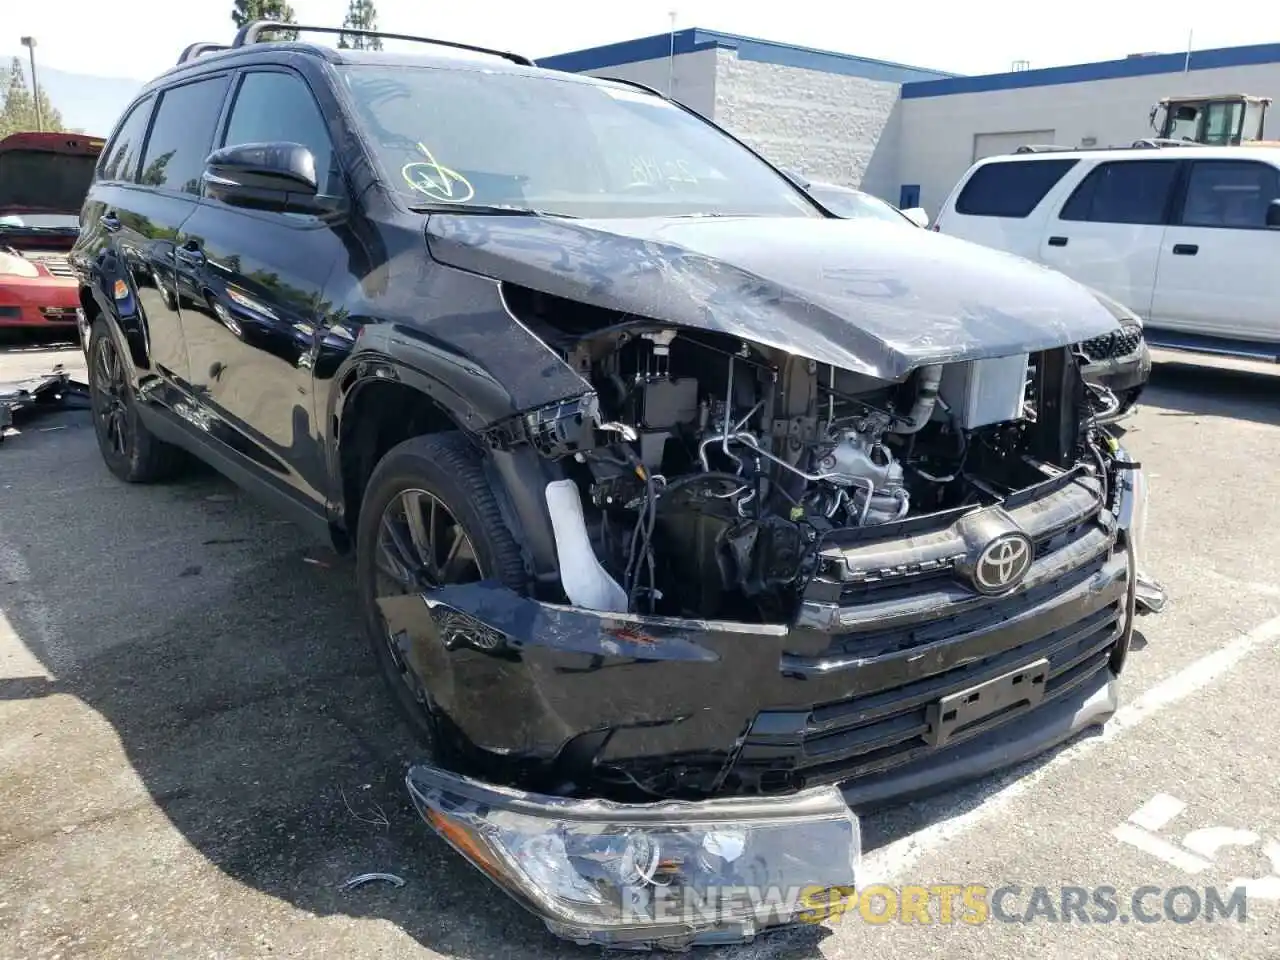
<point x="428" y="518"/>
<point x="131" y="451"/>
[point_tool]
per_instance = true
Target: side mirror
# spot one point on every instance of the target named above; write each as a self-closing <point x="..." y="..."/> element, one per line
<point x="917" y="216"/>
<point x="264" y="176"/>
<point x="1273" y="214"/>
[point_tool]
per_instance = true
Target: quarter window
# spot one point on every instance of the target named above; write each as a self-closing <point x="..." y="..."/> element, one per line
<point x="274" y="107"/>
<point x="1229" y="193"/>
<point x="120" y="159"/>
<point x="1011" y="188"/>
<point x="1128" y="191"/>
<point x="182" y="134"/>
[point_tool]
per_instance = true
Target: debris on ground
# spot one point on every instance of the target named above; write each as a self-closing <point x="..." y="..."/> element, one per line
<point x="361" y="879"/>
<point x="48" y="392"/>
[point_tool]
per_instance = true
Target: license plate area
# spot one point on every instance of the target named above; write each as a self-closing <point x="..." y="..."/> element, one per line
<point x="1019" y="689"/>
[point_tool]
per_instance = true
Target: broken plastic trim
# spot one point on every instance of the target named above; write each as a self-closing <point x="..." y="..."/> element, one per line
<point x="664" y="875"/>
<point x="1152" y="595"/>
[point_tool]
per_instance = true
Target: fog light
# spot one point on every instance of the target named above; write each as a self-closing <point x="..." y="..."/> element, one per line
<point x="666" y="875"/>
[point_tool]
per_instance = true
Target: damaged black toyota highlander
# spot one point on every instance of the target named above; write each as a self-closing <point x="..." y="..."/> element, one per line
<point x="688" y="519"/>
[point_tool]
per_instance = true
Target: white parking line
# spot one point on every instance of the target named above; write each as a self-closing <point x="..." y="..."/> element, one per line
<point x="1156" y="813"/>
<point x="892" y="860"/>
<point x="1160" y="849"/>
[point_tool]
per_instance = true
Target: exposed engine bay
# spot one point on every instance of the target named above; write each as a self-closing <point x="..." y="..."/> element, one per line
<point x="719" y="466"/>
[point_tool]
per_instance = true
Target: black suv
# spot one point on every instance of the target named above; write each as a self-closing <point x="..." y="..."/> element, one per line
<point x="686" y="516"/>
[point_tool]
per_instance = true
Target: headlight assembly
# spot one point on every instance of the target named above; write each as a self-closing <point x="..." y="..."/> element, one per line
<point x="666" y="875"/>
<point x="11" y="265"/>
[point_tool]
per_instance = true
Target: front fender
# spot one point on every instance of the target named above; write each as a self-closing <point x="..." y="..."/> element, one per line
<point x="105" y="276"/>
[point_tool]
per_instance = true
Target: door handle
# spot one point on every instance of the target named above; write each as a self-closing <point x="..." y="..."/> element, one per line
<point x="1057" y="241"/>
<point x="110" y="222"/>
<point x="190" y="254"/>
<point x="1185" y="249"/>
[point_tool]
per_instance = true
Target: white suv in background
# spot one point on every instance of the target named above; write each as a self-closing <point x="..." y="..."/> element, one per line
<point x="1187" y="237"/>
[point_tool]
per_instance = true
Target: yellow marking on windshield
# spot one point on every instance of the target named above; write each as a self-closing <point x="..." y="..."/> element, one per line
<point x="436" y="180"/>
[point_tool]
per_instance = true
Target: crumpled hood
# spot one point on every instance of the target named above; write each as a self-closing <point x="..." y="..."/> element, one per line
<point x="864" y="296"/>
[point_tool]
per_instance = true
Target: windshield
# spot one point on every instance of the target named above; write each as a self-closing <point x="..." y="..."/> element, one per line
<point x="852" y="205"/>
<point x="44" y="181"/>
<point x="558" y="146"/>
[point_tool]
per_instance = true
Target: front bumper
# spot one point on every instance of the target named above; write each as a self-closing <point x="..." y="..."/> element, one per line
<point x="555" y="698"/>
<point x="1125" y="375"/>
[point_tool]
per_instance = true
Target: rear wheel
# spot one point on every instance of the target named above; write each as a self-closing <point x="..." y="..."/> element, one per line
<point x="428" y="518"/>
<point x="129" y="449"/>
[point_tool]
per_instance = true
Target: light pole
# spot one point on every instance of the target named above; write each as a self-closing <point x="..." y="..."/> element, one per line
<point x="671" y="58"/>
<point x="30" y="44"/>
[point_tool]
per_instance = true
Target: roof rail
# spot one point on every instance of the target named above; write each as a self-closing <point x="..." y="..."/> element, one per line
<point x="1148" y="143"/>
<point x="637" y="84"/>
<point x="196" y="49"/>
<point x="251" y="32"/>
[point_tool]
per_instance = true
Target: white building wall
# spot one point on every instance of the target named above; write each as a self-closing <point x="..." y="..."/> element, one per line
<point x="824" y="125"/>
<point x="938" y="134"/>
<point x="693" y="81"/>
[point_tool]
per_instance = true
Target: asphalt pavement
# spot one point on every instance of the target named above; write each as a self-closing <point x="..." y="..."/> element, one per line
<point x="196" y="751"/>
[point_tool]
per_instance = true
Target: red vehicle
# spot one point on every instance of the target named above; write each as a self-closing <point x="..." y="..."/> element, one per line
<point x="43" y="181"/>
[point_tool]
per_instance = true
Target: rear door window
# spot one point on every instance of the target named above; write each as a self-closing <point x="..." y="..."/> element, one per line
<point x="1229" y="193"/>
<point x="1010" y="188"/>
<point x="182" y="135"/>
<point x="1124" y="191"/>
<point x="120" y="159"/>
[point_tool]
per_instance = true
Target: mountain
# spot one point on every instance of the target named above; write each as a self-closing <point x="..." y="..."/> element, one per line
<point x="86" y="102"/>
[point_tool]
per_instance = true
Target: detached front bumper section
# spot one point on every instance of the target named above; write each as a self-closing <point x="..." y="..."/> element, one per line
<point x="666" y="875"/>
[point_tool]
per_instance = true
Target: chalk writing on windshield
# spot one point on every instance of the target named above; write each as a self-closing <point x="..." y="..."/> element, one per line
<point x="652" y="172"/>
<point x="437" y="181"/>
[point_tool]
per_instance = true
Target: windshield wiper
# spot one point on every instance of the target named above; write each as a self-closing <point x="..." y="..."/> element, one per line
<point x="485" y="210"/>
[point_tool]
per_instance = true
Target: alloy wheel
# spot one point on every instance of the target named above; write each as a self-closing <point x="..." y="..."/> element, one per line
<point x="421" y="544"/>
<point x="110" y="390"/>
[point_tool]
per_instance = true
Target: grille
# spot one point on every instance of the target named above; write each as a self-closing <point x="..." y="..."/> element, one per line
<point x="55" y="263"/>
<point x="1109" y="346"/>
<point x="869" y="734"/>
<point x="909" y="640"/>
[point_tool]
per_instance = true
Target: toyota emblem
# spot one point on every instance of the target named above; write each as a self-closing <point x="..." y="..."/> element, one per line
<point x="1003" y="563"/>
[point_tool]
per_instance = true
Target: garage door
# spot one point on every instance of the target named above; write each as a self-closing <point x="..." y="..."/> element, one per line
<point x="995" y="144"/>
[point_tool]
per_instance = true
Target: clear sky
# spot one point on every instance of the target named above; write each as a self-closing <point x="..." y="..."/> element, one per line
<point x="139" y="38"/>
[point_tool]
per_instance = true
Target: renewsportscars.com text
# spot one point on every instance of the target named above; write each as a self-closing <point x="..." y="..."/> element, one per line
<point x="1012" y="903"/>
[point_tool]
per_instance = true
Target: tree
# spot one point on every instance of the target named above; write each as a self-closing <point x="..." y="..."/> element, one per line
<point x="18" y="106"/>
<point x="246" y="11"/>
<point x="153" y="175"/>
<point x="361" y="15"/>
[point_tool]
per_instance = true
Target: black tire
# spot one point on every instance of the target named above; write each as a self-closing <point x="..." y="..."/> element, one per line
<point x="448" y="468"/>
<point x="131" y="451"/>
